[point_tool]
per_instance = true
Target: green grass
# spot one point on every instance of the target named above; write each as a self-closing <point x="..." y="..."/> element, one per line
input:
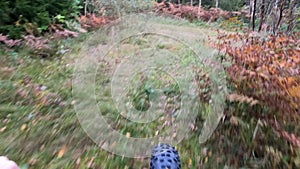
<point x="33" y="133"/>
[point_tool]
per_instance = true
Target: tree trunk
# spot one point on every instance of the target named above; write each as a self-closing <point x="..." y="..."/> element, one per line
<point x="252" y="12"/>
<point x="85" y="7"/>
<point x="199" y="7"/>
<point x="262" y="15"/>
<point x="192" y="2"/>
<point x="217" y="3"/>
<point x="280" y="14"/>
<point x="275" y="16"/>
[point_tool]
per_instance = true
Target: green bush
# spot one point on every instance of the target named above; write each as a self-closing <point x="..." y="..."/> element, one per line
<point x="16" y="15"/>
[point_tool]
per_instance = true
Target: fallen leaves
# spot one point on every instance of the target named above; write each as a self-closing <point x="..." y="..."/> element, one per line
<point x="62" y="151"/>
<point x="23" y="127"/>
<point x="35" y="93"/>
<point x="3" y="129"/>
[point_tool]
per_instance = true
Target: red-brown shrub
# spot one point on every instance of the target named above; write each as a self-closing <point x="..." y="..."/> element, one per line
<point x="266" y="68"/>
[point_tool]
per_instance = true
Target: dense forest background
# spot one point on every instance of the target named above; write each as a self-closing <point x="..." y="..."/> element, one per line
<point x="21" y="17"/>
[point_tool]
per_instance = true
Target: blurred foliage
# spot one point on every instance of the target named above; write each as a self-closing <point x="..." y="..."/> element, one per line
<point x="233" y="5"/>
<point x="231" y="24"/>
<point x="265" y="68"/>
<point x="265" y="76"/>
<point x="116" y="7"/>
<point x="19" y="17"/>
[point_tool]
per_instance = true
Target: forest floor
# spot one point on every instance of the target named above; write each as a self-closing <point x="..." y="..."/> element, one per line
<point x="39" y="127"/>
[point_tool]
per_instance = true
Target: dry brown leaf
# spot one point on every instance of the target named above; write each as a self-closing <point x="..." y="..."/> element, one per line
<point x="91" y="162"/>
<point x="3" y="129"/>
<point x="62" y="151"/>
<point x="190" y="161"/>
<point x="23" y="127"/>
<point x="206" y="160"/>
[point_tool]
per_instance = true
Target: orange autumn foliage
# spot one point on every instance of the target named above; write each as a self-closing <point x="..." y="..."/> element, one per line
<point x="93" y="21"/>
<point x="266" y="68"/>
